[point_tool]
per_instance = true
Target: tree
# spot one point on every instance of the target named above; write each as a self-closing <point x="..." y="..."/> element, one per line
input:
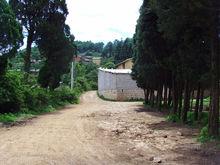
<point x="108" y="50"/>
<point x="187" y="40"/>
<point x="55" y="43"/>
<point x="37" y="60"/>
<point x="11" y="34"/>
<point x="170" y="56"/>
<point x="29" y="13"/>
<point x="149" y="51"/>
<point x="213" y="126"/>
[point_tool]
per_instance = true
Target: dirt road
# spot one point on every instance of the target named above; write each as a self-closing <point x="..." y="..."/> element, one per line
<point x="100" y="132"/>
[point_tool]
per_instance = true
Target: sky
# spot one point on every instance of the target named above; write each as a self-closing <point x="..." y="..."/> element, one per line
<point x="102" y="20"/>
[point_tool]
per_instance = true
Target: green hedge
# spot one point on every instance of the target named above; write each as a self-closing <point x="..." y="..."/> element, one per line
<point x="17" y="96"/>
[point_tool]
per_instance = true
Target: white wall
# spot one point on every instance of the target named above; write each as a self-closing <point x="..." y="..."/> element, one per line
<point x="118" y="86"/>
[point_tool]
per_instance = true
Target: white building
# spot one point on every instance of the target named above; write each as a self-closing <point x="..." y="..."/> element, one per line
<point x="117" y="84"/>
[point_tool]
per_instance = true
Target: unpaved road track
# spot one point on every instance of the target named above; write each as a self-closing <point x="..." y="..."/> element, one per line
<point x="98" y="132"/>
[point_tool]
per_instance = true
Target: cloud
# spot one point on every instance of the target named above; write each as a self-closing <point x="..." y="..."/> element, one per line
<point x="103" y="20"/>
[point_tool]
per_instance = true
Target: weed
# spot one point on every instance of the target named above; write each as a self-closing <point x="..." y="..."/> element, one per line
<point x="8" y="118"/>
<point x="173" y="118"/>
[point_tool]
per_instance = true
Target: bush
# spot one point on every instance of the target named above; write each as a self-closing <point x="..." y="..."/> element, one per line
<point x="11" y="95"/>
<point x="64" y="95"/>
<point x="82" y="84"/>
<point x="203" y="119"/>
<point x="36" y="97"/>
<point x="7" y="118"/>
<point x="173" y="118"/>
<point x="16" y="96"/>
<point x="190" y="118"/>
<point x="204" y="136"/>
<point x="86" y="77"/>
<point x="21" y="98"/>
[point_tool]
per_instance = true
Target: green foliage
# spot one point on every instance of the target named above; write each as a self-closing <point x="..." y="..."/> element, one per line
<point x="11" y="35"/>
<point x="30" y="14"/>
<point x="202" y="122"/>
<point x="118" y="50"/>
<point x="36" y="97"/>
<point x="64" y="95"/>
<point x="89" y="46"/>
<point x="204" y="118"/>
<point x="82" y="84"/>
<point x="93" y="54"/>
<point x="204" y="135"/>
<point x="173" y="118"/>
<point x="11" y="95"/>
<point x="149" y="51"/>
<point x="18" y="97"/>
<point x="8" y="118"/>
<point x="175" y="50"/>
<point x="190" y="119"/>
<point x="14" y="117"/>
<point x="86" y="77"/>
<point x="108" y="63"/>
<point x="56" y="44"/>
<point x="17" y="63"/>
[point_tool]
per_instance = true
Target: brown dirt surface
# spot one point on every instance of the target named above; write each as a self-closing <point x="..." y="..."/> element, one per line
<point x="98" y="132"/>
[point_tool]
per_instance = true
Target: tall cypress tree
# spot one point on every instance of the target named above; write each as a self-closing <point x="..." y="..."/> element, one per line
<point x="188" y="40"/>
<point x="148" y="53"/>
<point x="55" y="43"/>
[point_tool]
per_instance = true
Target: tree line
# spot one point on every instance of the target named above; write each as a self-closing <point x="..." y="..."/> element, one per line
<point x="118" y="50"/>
<point x="89" y="46"/>
<point x="177" y="56"/>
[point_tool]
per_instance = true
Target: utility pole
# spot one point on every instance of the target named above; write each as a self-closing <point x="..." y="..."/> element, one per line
<point x="72" y="76"/>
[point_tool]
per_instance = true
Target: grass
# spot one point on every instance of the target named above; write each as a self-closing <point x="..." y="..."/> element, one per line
<point x="173" y="118"/>
<point x="190" y="119"/>
<point x="11" y="118"/>
<point x="8" y="118"/>
<point x="27" y="114"/>
<point x="204" y="136"/>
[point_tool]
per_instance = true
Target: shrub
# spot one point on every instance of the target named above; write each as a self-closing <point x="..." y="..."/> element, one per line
<point x="190" y="118"/>
<point x="82" y="84"/>
<point x="173" y="118"/>
<point x="204" y="135"/>
<point x="64" y="95"/>
<point x="36" y="97"/>
<point x="18" y="96"/>
<point x="11" y="95"/>
<point x="204" y="118"/>
<point x="7" y="118"/>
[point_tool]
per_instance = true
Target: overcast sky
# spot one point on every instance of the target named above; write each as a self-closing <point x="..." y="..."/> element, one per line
<point x="102" y="20"/>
